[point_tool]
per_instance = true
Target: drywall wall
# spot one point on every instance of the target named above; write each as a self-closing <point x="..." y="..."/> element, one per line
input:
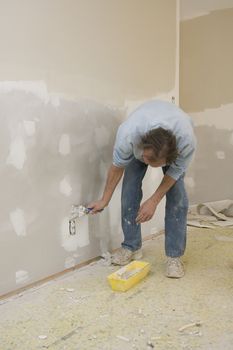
<point x="196" y="8"/>
<point x="206" y="93"/>
<point x="70" y="72"/>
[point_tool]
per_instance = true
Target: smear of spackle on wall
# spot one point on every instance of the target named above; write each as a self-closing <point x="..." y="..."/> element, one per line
<point x="131" y="105"/>
<point x="64" y="144"/>
<point x="83" y="232"/>
<point x="55" y="101"/>
<point x="68" y="242"/>
<point x="220" y="154"/>
<point x="37" y="88"/>
<point x="220" y="118"/>
<point x="30" y="127"/>
<point x="21" y="276"/>
<point x="191" y="9"/>
<point x="189" y="181"/>
<point x="69" y="262"/>
<point x="80" y="239"/>
<point x="18" y="222"/>
<point x="103" y="168"/>
<point x="101" y="136"/>
<point x="231" y="139"/>
<point x="65" y="187"/>
<point x="17" y="153"/>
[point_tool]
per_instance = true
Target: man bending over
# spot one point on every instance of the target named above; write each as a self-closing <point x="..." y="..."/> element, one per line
<point x="158" y="134"/>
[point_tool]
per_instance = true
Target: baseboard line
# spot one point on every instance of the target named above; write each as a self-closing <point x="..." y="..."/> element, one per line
<point x="62" y="273"/>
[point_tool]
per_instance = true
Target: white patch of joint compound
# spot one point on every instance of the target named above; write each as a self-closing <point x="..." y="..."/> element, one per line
<point x="220" y="154"/>
<point x="101" y="137"/>
<point x="18" y="222"/>
<point x="191" y="9"/>
<point x="69" y="262"/>
<point x="220" y="118"/>
<point x="80" y="239"/>
<point x="65" y="187"/>
<point x="131" y="105"/>
<point x="55" y="100"/>
<point x="29" y="126"/>
<point x="64" y="144"/>
<point x="21" y="276"/>
<point x="37" y="88"/>
<point x="17" y="154"/>
<point x="189" y="181"/>
<point x="231" y="139"/>
<point x="68" y="242"/>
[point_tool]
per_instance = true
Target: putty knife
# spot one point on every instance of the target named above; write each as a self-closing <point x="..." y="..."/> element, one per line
<point x="77" y="211"/>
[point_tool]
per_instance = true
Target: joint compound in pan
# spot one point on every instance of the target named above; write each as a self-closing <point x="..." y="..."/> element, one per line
<point x="124" y="274"/>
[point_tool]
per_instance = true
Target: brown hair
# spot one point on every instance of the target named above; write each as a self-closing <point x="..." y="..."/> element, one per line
<point x="162" y="142"/>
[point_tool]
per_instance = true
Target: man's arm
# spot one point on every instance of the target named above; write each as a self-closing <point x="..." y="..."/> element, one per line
<point x="166" y="183"/>
<point x="148" y="208"/>
<point x="113" y="178"/>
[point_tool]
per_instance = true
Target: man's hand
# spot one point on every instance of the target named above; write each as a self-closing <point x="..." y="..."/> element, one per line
<point x="97" y="206"/>
<point x="146" y="211"/>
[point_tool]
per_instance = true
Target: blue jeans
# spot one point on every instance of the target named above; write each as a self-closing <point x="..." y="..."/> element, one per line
<point x="175" y="211"/>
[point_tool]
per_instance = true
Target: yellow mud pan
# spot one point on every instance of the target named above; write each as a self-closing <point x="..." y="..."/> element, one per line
<point x="129" y="275"/>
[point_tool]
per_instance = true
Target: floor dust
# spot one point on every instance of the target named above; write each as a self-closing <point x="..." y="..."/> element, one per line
<point x="79" y="311"/>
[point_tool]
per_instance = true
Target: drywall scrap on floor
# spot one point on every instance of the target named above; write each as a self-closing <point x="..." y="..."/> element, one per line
<point x="211" y="214"/>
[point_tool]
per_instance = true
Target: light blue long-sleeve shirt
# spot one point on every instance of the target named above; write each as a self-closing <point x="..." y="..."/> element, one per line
<point x="151" y="115"/>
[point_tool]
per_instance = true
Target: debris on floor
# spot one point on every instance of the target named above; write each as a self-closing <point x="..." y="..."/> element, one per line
<point x="80" y="311"/>
<point x="193" y="324"/>
<point x="211" y="214"/>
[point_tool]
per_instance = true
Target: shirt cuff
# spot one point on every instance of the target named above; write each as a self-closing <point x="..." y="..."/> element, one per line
<point x="174" y="173"/>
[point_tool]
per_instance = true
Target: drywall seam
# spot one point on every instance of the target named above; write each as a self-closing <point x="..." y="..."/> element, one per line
<point x="131" y="105"/>
<point x="39" y="89"/>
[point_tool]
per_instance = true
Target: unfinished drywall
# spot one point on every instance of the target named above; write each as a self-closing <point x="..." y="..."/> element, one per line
<point x="70" y="72"/>
<point x="111" y="50"/>
<point x="206" y="93"/>
<point x="196" y="8"/>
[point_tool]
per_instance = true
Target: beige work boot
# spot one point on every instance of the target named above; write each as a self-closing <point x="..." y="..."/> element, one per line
<point x="175" y="268"/>
<point x="123" y="256"/>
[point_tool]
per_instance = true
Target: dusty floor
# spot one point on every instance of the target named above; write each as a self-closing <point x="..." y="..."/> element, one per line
<point x="79" y="311"/>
